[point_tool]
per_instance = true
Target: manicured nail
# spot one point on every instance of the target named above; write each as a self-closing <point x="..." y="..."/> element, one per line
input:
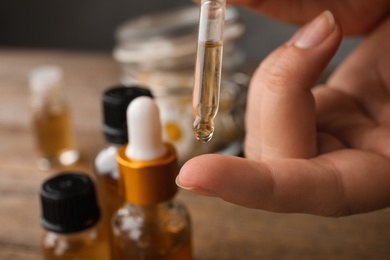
<point x="197" y="190"/>
<point x="315" y="32"/>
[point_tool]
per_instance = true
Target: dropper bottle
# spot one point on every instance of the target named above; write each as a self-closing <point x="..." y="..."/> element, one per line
<point x="151" y="224"/>
<point x="71" y="219"/>
<point x="115" y="101"/>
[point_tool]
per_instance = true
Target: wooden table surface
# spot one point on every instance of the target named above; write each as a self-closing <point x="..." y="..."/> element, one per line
<point x="221" y="230"/>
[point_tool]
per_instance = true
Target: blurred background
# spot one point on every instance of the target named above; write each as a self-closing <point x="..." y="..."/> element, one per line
<point x="90" y="24"/>
<point x="157" y="52"/>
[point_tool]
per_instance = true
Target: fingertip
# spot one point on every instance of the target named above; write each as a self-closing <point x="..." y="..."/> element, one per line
<point x="185" y="178"/>
<point x="195" y="175"/>
<point x="314" y="33"/>
<point x="286" y="185"/>
<point x="230" y="178"/>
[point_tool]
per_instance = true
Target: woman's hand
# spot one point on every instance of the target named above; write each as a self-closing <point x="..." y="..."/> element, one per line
<point x="322" y="151"/>
<point x="355" y="16"/>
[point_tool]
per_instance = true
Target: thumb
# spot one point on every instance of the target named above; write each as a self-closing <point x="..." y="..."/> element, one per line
<point x="281" y="119"/>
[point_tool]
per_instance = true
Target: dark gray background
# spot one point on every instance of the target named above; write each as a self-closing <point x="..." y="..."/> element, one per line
<point x="90" y="24"/>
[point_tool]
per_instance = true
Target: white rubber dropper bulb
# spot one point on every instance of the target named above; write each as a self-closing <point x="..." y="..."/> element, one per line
<point x="144" y="129"/>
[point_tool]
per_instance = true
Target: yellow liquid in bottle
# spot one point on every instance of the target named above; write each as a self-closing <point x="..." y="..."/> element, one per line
<point x="185" y="252"/>
<point x="111" y="200"/>
<point x="206" y="89"/>
<point x="110" y="195"/>
<point x="158" y="249"/>
<point x="54" y="136"/>
<point x="98" y="252"/>
<point x="153" y="234"/>
<point x="71" y="247"/>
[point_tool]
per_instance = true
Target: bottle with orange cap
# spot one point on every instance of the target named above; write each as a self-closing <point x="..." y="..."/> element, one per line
<point x="151" y="224"/>
<point x="115" y="101"/>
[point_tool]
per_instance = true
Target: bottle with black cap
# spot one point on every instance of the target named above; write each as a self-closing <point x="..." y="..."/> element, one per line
<point x="115" y="102"/>
<point x="71" y="218"/>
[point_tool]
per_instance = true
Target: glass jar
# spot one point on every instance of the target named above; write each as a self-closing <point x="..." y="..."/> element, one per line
<point x="158" y="51"/>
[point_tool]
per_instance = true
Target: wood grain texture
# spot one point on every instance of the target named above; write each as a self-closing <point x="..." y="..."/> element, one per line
<point x="220" y="230"/>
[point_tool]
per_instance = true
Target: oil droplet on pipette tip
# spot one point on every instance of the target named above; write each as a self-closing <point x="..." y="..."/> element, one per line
<point x="203" y="130"/>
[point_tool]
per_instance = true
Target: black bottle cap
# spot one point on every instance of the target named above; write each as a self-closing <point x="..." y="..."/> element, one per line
<point x="68" y="202"/>
<point x="115" y="103"/>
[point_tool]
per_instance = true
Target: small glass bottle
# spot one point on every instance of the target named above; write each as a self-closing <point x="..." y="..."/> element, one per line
<point x="71" y="218"/>
<point x="51" y="119"/>
<point x="151" y="224"/>
<point x="115" y="102"/>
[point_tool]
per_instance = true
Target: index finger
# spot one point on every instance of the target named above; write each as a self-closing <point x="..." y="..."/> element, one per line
<point x="340" y="183"/>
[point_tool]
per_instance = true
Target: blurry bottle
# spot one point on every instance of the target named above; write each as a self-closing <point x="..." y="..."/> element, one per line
<point x="71" y="218"/>
<point x="151" y="224"/>
<point x="51" y="119"/>
<point x="115" y="102"/>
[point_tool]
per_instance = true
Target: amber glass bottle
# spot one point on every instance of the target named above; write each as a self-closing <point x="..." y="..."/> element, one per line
<point x="115" y="101"/>
<point x="71" y="218"/>
<point x="151" y="224"/>
<point x="51" y="120"/>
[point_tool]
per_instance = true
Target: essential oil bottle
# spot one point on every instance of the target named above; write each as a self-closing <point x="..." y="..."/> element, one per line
<point x="51" y="120"/>
<point x="151" y="224"/>
<point x="71" y="219"/>
<point x="115" y="101"/>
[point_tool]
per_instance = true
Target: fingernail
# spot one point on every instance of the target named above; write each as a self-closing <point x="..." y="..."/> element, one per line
<point x="315" y="32"/>
<point x="197" y="190"/>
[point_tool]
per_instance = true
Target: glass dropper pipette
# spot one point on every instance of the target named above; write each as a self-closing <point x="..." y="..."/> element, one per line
<point x="208" y="67"/>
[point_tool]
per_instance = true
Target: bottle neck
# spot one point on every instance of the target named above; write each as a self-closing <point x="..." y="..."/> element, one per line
<point x="50" y="101"/>
<point x="152" y="211"/>
<point x="90" y="233"/>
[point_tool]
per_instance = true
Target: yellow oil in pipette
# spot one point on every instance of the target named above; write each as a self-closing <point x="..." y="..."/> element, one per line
<point x="208" y="68"/>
